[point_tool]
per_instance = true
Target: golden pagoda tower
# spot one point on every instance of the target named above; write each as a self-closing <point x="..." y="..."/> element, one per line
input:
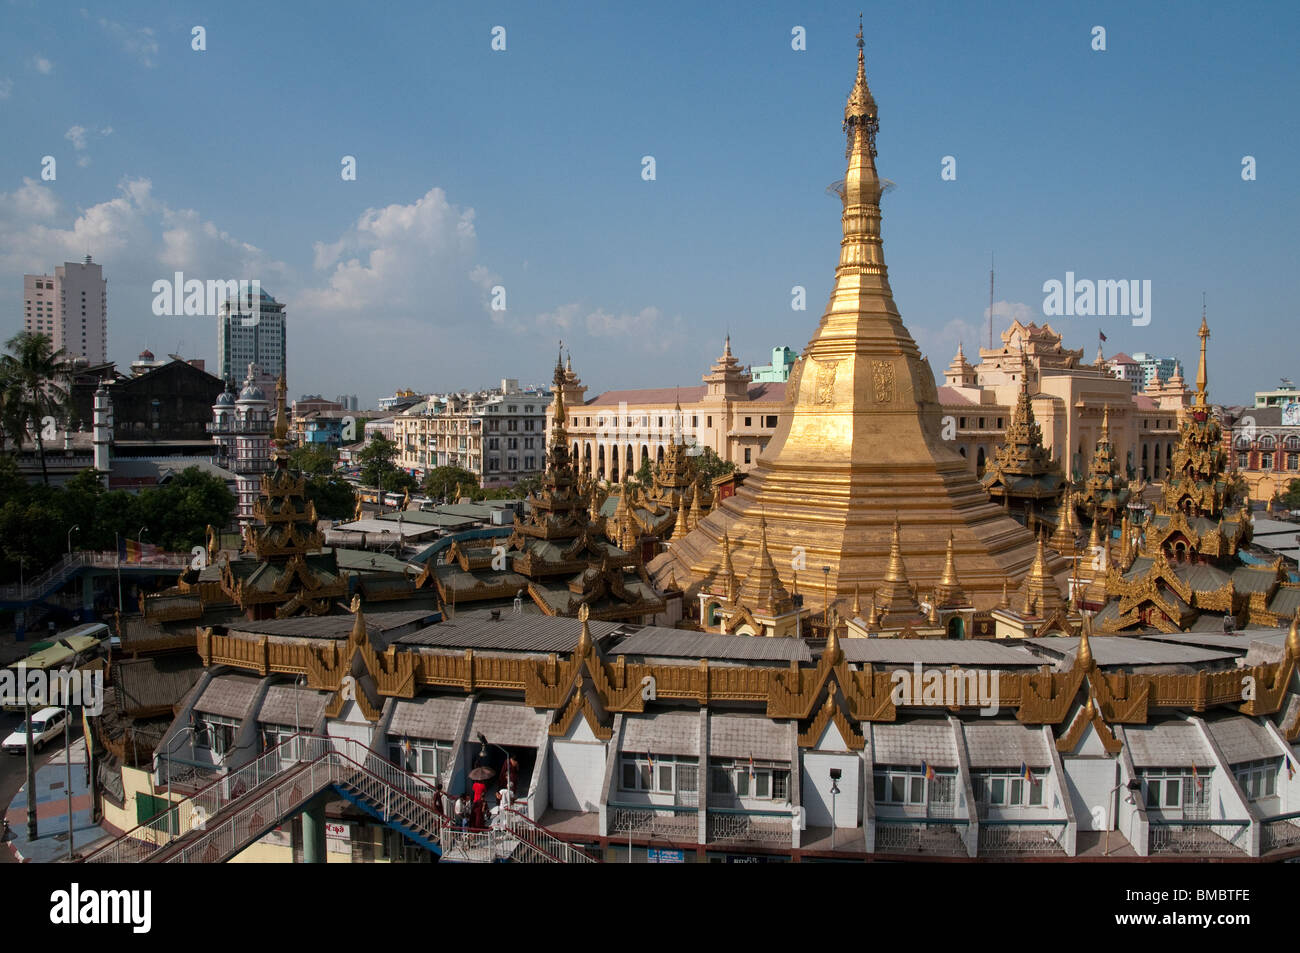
<point x="862" y="439"/>
<point x="1105" y="492"/>
<point x="1022" y="473"/>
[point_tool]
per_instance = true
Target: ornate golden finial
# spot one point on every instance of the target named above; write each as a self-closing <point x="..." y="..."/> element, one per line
<point x="355" y="606"/>
<point x="860" y="109"/>
<point x="1293" y="637"/>
<point x="358" y="621"/>
<point x="949" y="589"/>
<point x="727" y="570"/>
<point x="857" y="601"/>
<point x="584" y="638"/>
<point x="833" y="651"/>
<point x="1083" y="657"/>
<point x="871" y="609"/>
<point x="933" y="617"/>
<point x="1006" y="597"/>
<point x="1202" y="378"/>
<point x="1105" y="422"/>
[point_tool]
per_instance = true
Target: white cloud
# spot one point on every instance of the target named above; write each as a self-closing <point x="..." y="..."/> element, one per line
<point x="77" y="136"/>
<point x="42" y="65"/>
<point x="6" y="87"/>
<point x="138" y="42"/>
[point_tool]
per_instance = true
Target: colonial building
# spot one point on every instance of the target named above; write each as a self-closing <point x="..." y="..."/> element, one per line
<point x="1265" y="445"/>
<point x="241" y="430"/>
<point x="1068" y="401"/>
<point x="498" y="435"/>
<point x="618" y="431"/>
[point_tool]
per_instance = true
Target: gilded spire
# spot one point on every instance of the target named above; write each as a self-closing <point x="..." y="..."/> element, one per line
<point x="1041" y="593"/>
<point x="949" y="591"/>
<point x="1083" y="657"/>
<point x="1293" y="637"/>
<point x="1202" y="377"/>
<point x="896" y="598"/>
<point x="763" y="590"/>
<point x="857" y="601"/>
<point x="584" y="637"/>
<point x="1006" y="598"/>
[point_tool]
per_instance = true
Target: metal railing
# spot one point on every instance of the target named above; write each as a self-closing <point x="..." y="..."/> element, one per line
<point x="1021" y="836"/>
<point x="920" y="836"/>
<point x="71" y="564"/>
<point x="678" y="822"/>
<point x="229" y="814"/>
<point x="765" y="827"/>
<point x="1204" y="837"/>
<point x="1278" y="832"/>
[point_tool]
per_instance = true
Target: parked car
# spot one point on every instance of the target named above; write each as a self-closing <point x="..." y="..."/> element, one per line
<point x="46" y="724"/>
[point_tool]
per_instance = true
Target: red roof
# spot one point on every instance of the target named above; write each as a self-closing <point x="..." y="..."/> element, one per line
<point x="1122" y="358"/>
<point x="951" y="395"/>
<point x="667" y="397"/>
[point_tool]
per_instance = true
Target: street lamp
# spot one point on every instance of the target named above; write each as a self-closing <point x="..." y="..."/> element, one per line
<point x="836" y="774"/>
<point x="143" y="530"/>
<point x="74" y="529"/>
<point x="167" y="756"/>
<point x="826" y="594"/>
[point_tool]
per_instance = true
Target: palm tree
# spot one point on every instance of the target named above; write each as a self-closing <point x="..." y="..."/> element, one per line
<point x="31" y="373"/>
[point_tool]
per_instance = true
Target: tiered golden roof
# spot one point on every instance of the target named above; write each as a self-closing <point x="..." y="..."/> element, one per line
<point x="862" y="440"/>
<point x="1105" y="492"/>
<point x="1022" y="472"/>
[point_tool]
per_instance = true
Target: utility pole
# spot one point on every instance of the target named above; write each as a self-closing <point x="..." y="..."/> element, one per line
<point x="31" y="771"/>
<point x="67" y="760"/>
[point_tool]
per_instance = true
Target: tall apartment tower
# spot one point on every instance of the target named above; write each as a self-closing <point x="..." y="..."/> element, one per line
<point x="71" y="308"/>
<point x="251" y="332"/>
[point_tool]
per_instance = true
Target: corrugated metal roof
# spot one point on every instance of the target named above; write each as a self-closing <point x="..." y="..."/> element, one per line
<point x="332" y="626"/>
<point x="1167" y="745"/>
<point x="516" y="633"/>
<point x="750" y="736"/>
<point x="680" y="643"/>
<point x="156" y="682"/>
<point x="910" y="743"/>
<point x="1131" y="650"/>
<point x="297" y="707"/>
<point x="1243" y="739"/>
<point x="229" y="696"/>
<point x="1006" y="746"/>
<point x="505" y="724"/>
<point x="937" y="652"/>
<point x="428" y="717"/>
<point x="669" y="732"/>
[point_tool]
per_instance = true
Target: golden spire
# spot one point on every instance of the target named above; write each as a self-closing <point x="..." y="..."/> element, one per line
<point x="857" y="601"/>
<point x="762" y="589"/>
<point x="896" y="599"/>
<point x="281" y="411"/>
<point x="949" y="589"/>
<point x="1202" y="378"/>
<point x="584" y="637"/>
<point x="697" y="511"/>
<point x="682" y="511"/>
<point x="833" y="651"/>
<point x="871" y="609"/>
<point x="1083" y="657"/>
<point x="794" y="582"/>
<point x="358" y="636"/>
<point x="1063" y="540"/>
<point x="1293" y="637"/>
<point x="728" y="571"/>
<point x="933" y="617"/>
<point x="1105" y="423"/>
<point x="1006" y="598"/>
<point x="1041" y="593"/>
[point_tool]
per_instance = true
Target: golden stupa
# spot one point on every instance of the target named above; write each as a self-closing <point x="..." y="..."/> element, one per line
<point x="861" y="447"/>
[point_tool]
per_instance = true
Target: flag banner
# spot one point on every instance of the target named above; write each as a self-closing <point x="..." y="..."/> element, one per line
<point x="134" y="551"/>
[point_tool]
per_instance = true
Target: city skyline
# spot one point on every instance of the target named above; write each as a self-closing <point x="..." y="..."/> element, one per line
<point x="449" y="203"/>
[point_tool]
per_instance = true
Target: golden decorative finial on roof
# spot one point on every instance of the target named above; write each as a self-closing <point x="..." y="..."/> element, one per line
<point x="728" y="572"/>
<point x="1202" y="377"/>
<point x="584" y="637"/>
<point x="1083" y="657"/>
<point x="1105" y="422"/>
<point x="857" y="601"/>
<point x="949" y="590"/>
<point x="1293" y="637"/>
<point x="833" y="651"/>
<point x="1006" y="597"/>
<point x="358" y="621"/>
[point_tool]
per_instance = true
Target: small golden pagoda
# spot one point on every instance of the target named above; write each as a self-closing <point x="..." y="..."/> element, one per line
<point x="284" y="571"/>
<point x="1105" y="492"/>
<point x="1184" y="562"/>
<point x="557" y="553"/>
<point x="1022" y="475"/>
<point x="861" y="445"/>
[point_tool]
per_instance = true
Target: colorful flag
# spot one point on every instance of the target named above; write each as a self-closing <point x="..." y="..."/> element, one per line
<point x="651" y="758"/>
<point x="1102" y="334"/>
<point x="134" y="551"/>
<point x="1290" y="769"/>
<point x="1027" y="774"/>
<point x="751" y="768"/>
<point x="928" y="770"/>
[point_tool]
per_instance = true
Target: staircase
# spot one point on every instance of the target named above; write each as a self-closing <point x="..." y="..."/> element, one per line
<point x="220" y="820"/>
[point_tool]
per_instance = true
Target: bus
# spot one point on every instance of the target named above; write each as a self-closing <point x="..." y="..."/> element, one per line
<point x="88" y="645"/>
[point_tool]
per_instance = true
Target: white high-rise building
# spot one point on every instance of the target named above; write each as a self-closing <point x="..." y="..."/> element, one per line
<point x="71" y="308"/>
<point x="251" y="332"/>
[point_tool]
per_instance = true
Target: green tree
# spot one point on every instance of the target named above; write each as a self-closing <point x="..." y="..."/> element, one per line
<point x="33" y="373"/>
<point x="397" y="481"/>
<point x="376" y="460"/>
<point x="313" y="459"/>
<point x="1291" y="496"/>
<point x="711" y="465"/>
<point x="440" y="482"/>
<point x="643" y="475"/>
<point x="333" y="497"/>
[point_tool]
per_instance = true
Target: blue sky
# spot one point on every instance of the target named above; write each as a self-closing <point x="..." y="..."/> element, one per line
<point x="522" y="168"/>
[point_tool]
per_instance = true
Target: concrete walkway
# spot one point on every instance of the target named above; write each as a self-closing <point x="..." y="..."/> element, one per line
<point x="51" y="841"/>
